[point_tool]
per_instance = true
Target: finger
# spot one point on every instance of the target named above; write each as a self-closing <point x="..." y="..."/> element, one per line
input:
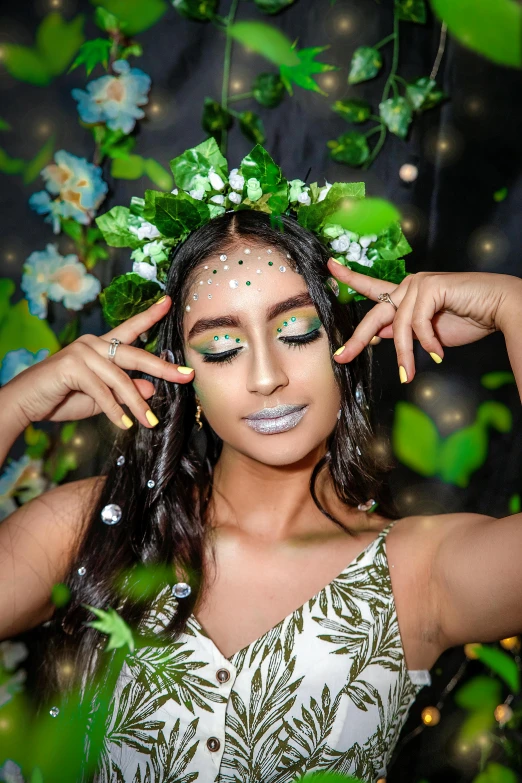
<point x="88" y="382"/>
<point x="379" y="316"/>
<point x="363" y="284"/>
<point x="129" y="357"/>
<point x="118" y="380"/>
<point x="402" y="335"/>
<point x="130" y="330"/>
<point x="426" y="307"/>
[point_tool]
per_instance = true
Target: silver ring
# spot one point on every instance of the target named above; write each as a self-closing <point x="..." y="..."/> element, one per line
<point x="386" y="298"/>
<point x="112" y="348"/>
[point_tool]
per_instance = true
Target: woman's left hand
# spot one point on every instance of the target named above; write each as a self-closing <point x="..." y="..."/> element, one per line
<point x="436" y="308"/>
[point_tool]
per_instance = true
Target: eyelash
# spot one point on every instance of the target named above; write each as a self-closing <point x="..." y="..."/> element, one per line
<point x="294" y="342"/>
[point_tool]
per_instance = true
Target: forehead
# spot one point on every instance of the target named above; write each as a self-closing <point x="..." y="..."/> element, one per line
<point x="241" y="283"/>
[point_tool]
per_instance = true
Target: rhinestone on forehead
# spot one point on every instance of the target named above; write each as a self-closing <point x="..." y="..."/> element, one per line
<point x="282" y="268"/>
<point x="247" y="251"/>
<point x="223" y="257"/>
<point x="195" y="296"/>
<point x="233" y="283"/>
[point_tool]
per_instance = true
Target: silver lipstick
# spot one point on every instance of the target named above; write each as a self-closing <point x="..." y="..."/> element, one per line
<point x="279" y="419"/>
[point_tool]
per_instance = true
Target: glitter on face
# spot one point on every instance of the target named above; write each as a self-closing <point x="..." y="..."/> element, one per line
<point x="206" y="267"/>
<point x="268" y="251"/>
<point x="258" y="271"/>
<point x="187" y="308"/>
<point x="195" y="296"/>
<point x="247" y="251"/>
<point x="270" y="263"/>
<point x="282" y="268"/>
<point x="248" y="282"/>
<point x="210" y="296"/>
<point x="226" y="266"/>
<point x="201" y="282"/>
<point x="223" y="257"/>
<point x="233" y="283"/>
<point x="209" y="282"/>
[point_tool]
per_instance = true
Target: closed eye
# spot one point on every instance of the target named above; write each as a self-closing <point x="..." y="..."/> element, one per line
<point x="296" y="341"/>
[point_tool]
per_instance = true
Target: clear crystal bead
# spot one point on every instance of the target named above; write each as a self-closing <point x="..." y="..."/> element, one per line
<point x="151" y="483"/>
<point x="258" y="271"/>
<point x="181" y="590"/>
<point x="187" y="308"/>
<point x="233" y="283"/>
<point x="54" y="711"/>
<point x="247" y="251"/>
<point x="268" y="251"/>
<point x="111" y="514"/>
<point x="195" y="296"/>
<point x="82" y="570"/>
<point x="226" y="266"/>
<point x="120" y="461"/>
<point x="210" y="296"/>
<point x="282" y="268"/>
<point x="223" y="257"/>
<point x="358" y="450"/>
<point x="209" y="282"/>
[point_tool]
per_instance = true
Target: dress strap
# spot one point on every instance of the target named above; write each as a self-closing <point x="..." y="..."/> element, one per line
<point x="384" y="532"/>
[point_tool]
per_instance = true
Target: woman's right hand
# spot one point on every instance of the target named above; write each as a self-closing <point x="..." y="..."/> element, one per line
<point x="80" y="381"/>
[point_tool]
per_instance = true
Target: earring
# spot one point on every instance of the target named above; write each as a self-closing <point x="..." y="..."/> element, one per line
<point x="339" y="413"/>
<point x="198" y="415"/>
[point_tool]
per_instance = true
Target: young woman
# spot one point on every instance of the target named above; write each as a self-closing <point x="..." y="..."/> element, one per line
<point x="293" y="625"/>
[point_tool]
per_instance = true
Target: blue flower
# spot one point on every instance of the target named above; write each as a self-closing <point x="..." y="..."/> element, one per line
<point x="115" y="99"/>
<point x="14" y="362"/>
<point x="79" y="188"/>
<point x="48" y="275"/>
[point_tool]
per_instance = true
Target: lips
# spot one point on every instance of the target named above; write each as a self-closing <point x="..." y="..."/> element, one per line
<point x="274" y="413"/>
<point x="268" y="424"/>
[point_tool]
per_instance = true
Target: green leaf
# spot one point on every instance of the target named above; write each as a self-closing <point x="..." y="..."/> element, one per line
<point x="10" y="165"/>
<point x="301" y="74"/>
<point x="37" y="441"/>
<point x="272" y="6"/>
<point x="315" y="216"/>
<point x="268" y="89"/>
<point x="366" y="63"/>
<point x="135" y="15"/>
<point x="197" y="10"/>
<point x="491" y="29"/>
<point x="392" y="243"/>
<point x="58" y="41"/>
<point x="411" y="11"/>
<point x="494" y="380"/>
<point x="114" y="227"/>
<point x="496" y="773"/>
<point x="392" y="271"/>
<point x="60" y="595"/>
<point x="4" y="125"/>
<point x="415" y="439"/>
<point x="501" y="664"/>
<point x="351" y="148"/>
<point x="265" y="40"/>
<point x="131" y="167"/>
<point x="251" y="126"/>
<point x="20" y="329"/>
<point x="36" y="776"/>
<point x="500" y="195"/>
<point x="515" y="504"/>
<point x="353" y="110"/>
<point x="61" y="464"/>
<point x="496" y="415"/>
<point x="143" y="581"/>
<point x="417" y="91"/>
<point x="462" y="453"/>
<point x="476" y="725"/>
<point x="134" y="49"/>
<point x="106" y="21"/>
<point x="116" y="144"/>
<point x="68" y="431"/>
<point x="92" y="53"/>
<point x="73" y="229"/>
<point x="198" y="160"/>
<point x="40" y="160"/>
<point x="94" y="254"/>
<point x="259" y="164"/>
<point x="433" y="99"/>
<point x="215" y="118"/>
<point x="365" y="216"/>
<point x="174" y="216"/>
<point x="479" y="693"/>
<point x="114" y="626"/>
<point x="158" y="174"/>
<point x="397" y="114"/>
<point x="127" y="295"/>
<point x="25" y="64"/>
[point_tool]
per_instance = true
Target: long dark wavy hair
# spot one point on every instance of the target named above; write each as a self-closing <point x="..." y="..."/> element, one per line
<point x="166" y="525"/>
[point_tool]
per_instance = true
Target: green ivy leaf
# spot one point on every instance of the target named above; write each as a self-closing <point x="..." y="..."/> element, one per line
<point x="141" y="582"/>
<point x="392" y="271"/>
<point x="462" y="453"/>
<point x="40" y="160"/>
<point x="265" y="40"/>
<point x="135" y="16"/>
<point x="515" y="504"/>
<point x="496" y="415"/>
<point x="260" y="165"/>
<point x="106" y="21"/>
<point x="174" y="216"/>
<point x="411" y="11"/>
<point x="397" y="115"/>
<point x="314" y="216"/>
<point x="215" y="118"/>
<point x="37" y="441"/>
<point x="251" y="126"/>
<point x="392" y="243"/>
<point x="501" y="664"/>
<point x="58" y="41"/>
<point x="110" y="623"/>
<point x="353" y="110"/>
<point x="479" y="693"/>
<point x="127" y="295"/>
<point x="351" y="148"/>
<point x="114" y="227"/>
<point x="198" y="160"/>
<point x="4" y="125"/>
<point x="365" y="216"/>
<point x="301" y="74"/>
<point x="10" y="165"/>
<point x="25" y="64"/>
<point x="134" y="49"/>
<point x="272" y="6"/>
<point x="491" y="29"/>
<point x="92" y="53"/>
<point x="433" y="99"/>
<point x="20" y="329"/>
<point x="197" y="10"/>
<point x="366" y="63"/>
<point x="158" y="174"/>
<point x="500" y="195"/>
<point x="68" y="431"/>
<point x="268" y="89"/>
<point x="417" y="91"/>
<point x="130" y="167"/>
<point x="420" y="453"/>
<point x="494" y="380"/>
<point x="73" y="229"/>
<point x="496" y="773"/>
<point x="94" y="254"/>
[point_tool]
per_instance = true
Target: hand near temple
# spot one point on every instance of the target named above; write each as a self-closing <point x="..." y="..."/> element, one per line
<point x="440" y="309"/>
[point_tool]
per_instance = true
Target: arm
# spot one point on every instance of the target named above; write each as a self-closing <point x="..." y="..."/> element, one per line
<point x="12" y="420"/>
<point x="509" y="321"/>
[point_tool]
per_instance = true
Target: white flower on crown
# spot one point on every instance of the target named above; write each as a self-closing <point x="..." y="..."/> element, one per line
<point x="197" y="193"/>
<point x="175" y="191"/>
<point x="236" y="181"/>
<point x="304" y="198"/>
<point x="145" y="231"/>
<point x="215" y="180"/>
<point x="365" y="241"/>
<point x="324" y="191"/>
<point x="235" y="198"/>
<point x="341" y="244"/>
<point x="217" y="199"/>
<point x="354" y="252"/>
<point x="147" y="271"/>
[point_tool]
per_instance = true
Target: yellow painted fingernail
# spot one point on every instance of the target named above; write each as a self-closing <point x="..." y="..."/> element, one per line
<point x="402" y="374"/>
<point x="339" y="350"/>
<point x="128" y="422"/>
<point x="185" y="370"/>
<point x="151" y="418"/>
<point x="336" y="261"/>
<point x="435" y="357"/>
<point x="161" y="300"/>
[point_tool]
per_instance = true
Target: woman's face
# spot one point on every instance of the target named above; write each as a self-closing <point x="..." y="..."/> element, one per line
<point x="256" y="343"/>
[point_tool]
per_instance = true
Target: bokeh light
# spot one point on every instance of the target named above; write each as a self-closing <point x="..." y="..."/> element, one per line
<point x="408" y="172"/>
<point x="430" y="716"/>
<point x="487" y="247"/>
<point x="443" y="146"/>
<point x="413" y="222"/>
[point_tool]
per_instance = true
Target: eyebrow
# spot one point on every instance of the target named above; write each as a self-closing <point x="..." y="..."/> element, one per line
<point x="203" y="324"/>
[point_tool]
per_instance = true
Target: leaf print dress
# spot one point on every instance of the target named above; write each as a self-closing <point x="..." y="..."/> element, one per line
<point x="325" y="689"/>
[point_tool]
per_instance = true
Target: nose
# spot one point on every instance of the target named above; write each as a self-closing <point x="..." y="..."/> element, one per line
<point x="265" y="372"/>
